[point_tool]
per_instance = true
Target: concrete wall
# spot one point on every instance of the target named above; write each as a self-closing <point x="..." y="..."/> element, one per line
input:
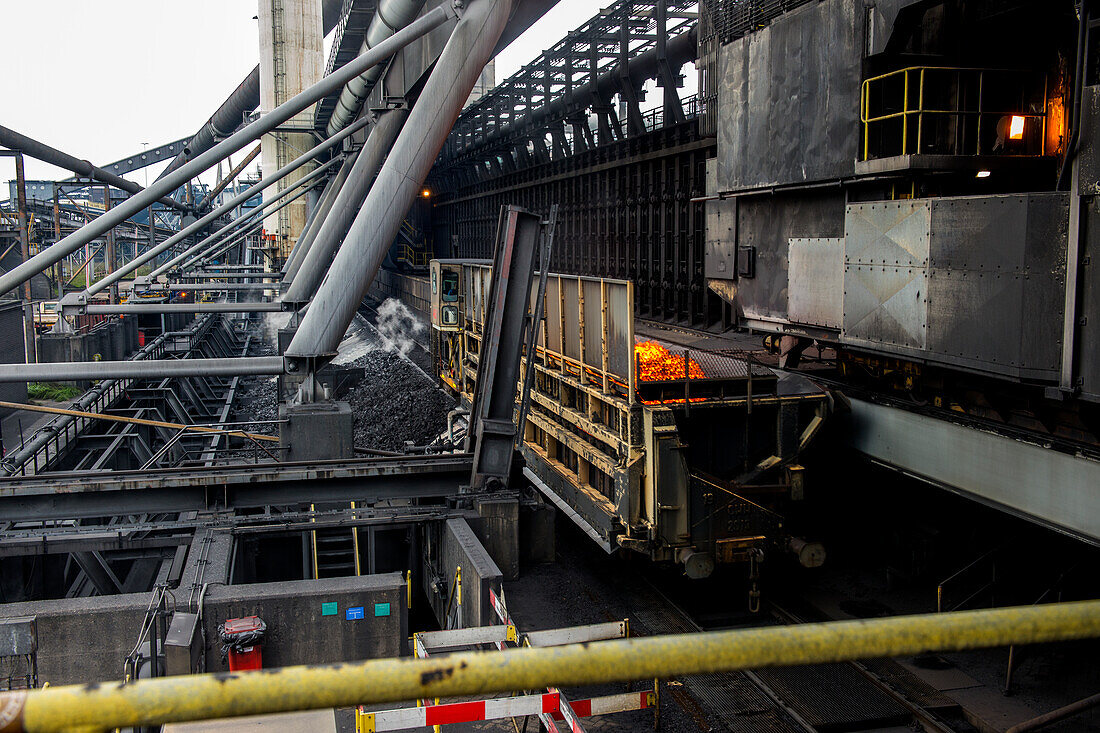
<point x="299" y="632"/>
<point x="86" y="639"/>
<point x="83" y="639"/>
<point x="460" y="546"/>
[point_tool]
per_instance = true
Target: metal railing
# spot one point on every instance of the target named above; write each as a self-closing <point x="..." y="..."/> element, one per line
<point x="948" y="111"/>
<point x="105" y="706"/>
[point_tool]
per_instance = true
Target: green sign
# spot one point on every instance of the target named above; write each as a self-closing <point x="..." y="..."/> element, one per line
<point x="328" y="609"/>
<point x="381" y="609"/>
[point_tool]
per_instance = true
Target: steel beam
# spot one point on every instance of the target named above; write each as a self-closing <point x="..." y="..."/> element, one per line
<point x="1042" y="484"/>
<point x="299" y="188"/>
<point x="124" y="308"/>
<point x="265" y="124"/>
<point x="317" y="217"/>
<point x="349" y="201"/>
<point x="229" y="178"/>
<point x="229" y="488"/>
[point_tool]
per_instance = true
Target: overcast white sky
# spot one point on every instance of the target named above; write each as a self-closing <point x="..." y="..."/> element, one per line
<point x="98" y="79"/>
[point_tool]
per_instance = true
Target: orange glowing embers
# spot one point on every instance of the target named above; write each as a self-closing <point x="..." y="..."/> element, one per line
<point x="658" y="364"/>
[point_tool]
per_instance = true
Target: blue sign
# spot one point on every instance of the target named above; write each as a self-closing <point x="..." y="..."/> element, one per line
<point x="354" y="613"/>
<point x="381" y="609"/>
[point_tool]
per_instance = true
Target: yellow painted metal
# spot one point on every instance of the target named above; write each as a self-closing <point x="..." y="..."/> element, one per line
<point x="202" y="697"/>
<point x="364" y="722"/>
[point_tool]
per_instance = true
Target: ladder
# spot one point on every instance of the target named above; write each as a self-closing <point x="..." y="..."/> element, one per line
<point x="335" y="551"/>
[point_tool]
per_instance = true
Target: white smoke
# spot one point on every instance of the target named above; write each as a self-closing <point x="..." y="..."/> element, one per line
<point x="273" y="323"/>
<point x="398" y="326"/>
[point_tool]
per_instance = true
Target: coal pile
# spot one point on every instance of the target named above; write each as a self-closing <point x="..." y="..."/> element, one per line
<point x="256" y="396"/>
<point x="395" y="402"/>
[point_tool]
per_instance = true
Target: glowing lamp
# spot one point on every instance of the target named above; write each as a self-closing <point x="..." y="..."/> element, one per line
<point x="983" y="174"/>
<point x="426" y="193"/>
<point x="1016" y="128"/>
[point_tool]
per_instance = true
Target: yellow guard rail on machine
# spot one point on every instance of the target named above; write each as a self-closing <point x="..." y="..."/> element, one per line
<point x="103" y="706"/>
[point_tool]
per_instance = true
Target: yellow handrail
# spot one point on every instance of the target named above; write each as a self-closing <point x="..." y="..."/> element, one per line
<point x="104" y="706"/>
<point x="865" y="102"/>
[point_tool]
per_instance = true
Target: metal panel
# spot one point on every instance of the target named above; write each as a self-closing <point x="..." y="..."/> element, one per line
<point x="789" y="94"/>
<point x="620" y="329"/>
<point x="996" y="280"/>
<point x="885" y="273"/>
<point x="816" y="281"/>
<point x="967" y="281"/>
<point x="593" y="322"/>
<point x="571" y="318"/>
<point x="1055" y="488"/>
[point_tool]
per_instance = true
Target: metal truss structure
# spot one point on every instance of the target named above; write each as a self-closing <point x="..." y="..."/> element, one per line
<point x="568" y="129"/>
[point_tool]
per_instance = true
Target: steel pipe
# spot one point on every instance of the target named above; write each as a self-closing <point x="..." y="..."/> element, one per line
<point x="348" y="203"/>
<point x="244" y="99"/>
<point x="41" y="151"/>
<point x="225" y="208"/>
<point x="265" y="124"/>
<point x="96" y="309"/>
<point x="299" y="188"/>
<point x="152" y="702"/>
<point x="391" y="16"/>
<point x="154" y="369"/>
<point x="229" y="177"/>
<point x="184" y="287"/>
<point x="463" y="59"/>
<point x="317" y="217"/>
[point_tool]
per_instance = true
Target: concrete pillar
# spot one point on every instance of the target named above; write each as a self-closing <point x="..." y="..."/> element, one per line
<point x="316" y="431"/>
<point x="291" y="59"/>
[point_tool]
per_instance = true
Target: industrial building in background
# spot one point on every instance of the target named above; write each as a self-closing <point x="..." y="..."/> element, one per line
<point x="765" y="332"/>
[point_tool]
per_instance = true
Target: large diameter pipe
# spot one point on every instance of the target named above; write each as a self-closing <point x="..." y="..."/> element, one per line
<point x="41" y="151"/>
<point x="317" y="217"/>
<point x="265" y="124"/>
<point x="464" y="57"/>
<point x="349" y="202"/>
<point x="391" y="16"/>
<point x="154" y="369"/>
<point x="225" y="208"/>
<point x="244" y="99"/>
<point x="259" y="213"/>
<point x="181" y="698"/>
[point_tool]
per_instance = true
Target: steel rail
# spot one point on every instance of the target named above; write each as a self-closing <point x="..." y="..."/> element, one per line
<point x="265" y="124"/>
<point x="110" y="705"/>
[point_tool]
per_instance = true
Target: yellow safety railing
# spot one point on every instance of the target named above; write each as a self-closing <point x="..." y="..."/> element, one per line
<point x="105" y="706"/>
<point x="957" y="82"/>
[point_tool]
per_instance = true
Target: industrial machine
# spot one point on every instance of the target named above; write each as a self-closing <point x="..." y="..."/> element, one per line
<point x="682" y="455"/>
